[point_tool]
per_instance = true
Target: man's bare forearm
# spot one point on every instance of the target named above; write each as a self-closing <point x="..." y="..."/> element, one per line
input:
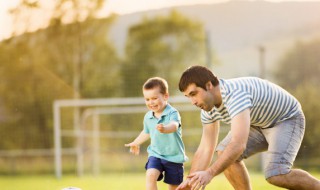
<point x="201" y="160"/>
<point x="228" y="157"/>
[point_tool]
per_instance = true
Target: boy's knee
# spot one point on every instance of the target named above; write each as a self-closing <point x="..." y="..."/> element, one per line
<point x="153" y="174"/>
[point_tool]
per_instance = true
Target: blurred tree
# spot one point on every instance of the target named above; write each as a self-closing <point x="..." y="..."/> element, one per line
<point x="162" y="46"/>
<point x="27" y="90"/>
<point x="80" y="42"/>
<point x="37" y="68"/>
<point x="300" y="65"/>
<point x="298" y="72"/>
<point x="23" y="16"/>
<point x="71" y="11"/>
<point x="83" y="57"/>
<point x="308" y="95"/>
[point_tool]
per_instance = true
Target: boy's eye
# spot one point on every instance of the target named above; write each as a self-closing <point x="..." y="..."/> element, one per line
<point x="150" y="99"/>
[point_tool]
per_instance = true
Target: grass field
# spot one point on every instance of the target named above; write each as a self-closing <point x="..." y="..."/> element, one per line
<point x="121" y="181"/>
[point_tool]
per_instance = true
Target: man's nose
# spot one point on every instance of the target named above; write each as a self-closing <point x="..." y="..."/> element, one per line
<point x="193" y="101"/>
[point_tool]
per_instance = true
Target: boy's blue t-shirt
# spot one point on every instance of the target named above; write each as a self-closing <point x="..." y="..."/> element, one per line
<point x="165" y="146"/>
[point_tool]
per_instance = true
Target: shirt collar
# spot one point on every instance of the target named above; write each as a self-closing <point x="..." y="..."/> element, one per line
<point x="166" y="111"/>
<point x="222" y="89"/>
<point x="223" y="92"/>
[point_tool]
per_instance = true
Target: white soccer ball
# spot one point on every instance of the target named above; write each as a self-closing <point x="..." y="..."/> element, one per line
<point x="71" y="188"/>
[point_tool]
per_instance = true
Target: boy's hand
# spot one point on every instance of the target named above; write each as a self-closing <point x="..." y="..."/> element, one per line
<point x="134" y="148"/>
<point x="160" y="127"/>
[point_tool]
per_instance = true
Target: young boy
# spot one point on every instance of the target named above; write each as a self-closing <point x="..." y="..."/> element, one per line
<point x="162" y="124"/>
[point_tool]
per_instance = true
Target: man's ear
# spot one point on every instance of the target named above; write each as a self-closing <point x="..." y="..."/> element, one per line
<point x="208" y="85"/>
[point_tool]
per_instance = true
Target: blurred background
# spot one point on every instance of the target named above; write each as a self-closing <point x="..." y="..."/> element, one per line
<point x="71" y="73"/>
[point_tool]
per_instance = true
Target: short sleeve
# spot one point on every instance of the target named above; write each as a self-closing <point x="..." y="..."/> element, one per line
<point x="175" y="116"/>
<point x="145" y="128"/>
<point x="206" y="118"/>
<point x="238" y="101"/>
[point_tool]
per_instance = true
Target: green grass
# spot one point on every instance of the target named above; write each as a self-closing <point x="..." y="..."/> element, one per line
<point x="121" y="181"/>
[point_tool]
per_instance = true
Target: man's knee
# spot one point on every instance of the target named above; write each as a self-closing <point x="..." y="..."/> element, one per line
<point x="278" y="180"/>
<point x="273" y="180"/>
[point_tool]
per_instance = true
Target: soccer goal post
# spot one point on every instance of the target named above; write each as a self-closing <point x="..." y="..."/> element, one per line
<point x="95" y="108"/>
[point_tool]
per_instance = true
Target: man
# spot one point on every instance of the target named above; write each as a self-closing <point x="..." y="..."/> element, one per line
<point x="263" y="117"/>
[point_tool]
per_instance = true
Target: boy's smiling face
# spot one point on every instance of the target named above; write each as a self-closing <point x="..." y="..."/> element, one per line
<point x="155" y="101"/>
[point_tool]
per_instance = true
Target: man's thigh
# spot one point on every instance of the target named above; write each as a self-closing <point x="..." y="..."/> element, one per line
<point x="256" y="143"/>
<point x="284" y="141"/>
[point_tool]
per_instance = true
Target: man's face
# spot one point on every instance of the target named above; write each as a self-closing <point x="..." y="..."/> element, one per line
<point x="200" y="97"/>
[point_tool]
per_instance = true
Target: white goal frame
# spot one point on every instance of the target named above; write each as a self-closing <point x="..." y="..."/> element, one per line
<point x="98" y="107"/>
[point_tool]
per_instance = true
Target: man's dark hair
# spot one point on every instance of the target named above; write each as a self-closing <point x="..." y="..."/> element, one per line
<point x="199" y="75"/>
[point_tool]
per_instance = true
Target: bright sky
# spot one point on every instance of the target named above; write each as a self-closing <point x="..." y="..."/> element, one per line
<point x="115" y="6"/>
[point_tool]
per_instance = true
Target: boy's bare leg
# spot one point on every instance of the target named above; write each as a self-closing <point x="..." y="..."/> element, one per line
<point x="237" y="174"/>
<point x="173" y="187"/>
<point x="151" y="179"/>
<point x="296" y="180"/>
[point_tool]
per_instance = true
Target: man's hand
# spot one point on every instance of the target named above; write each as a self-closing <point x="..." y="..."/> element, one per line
<point x="134" y="148"/>
<point x="184" y="185"/>
<point x="199" y="180"/>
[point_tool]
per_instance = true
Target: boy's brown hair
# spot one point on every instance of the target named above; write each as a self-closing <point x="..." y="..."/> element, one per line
<point x="156" y="82"/>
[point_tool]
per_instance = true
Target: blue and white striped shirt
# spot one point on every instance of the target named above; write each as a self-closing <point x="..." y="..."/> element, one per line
<point x="268" y="102"/>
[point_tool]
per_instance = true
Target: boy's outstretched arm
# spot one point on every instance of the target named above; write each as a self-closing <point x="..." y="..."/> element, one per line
<point x="135" y="145"/>
<point x="169" y="128"/>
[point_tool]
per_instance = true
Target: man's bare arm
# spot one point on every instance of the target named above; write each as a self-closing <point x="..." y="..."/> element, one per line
<point x="203" y="156"/>
<point x="240" y="127"/>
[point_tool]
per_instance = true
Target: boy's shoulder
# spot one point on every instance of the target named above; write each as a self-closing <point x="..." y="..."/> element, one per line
<point x="169" y="109"/>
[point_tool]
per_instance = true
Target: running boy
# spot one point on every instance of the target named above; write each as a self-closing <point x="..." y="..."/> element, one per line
<point x="162" y="124"/>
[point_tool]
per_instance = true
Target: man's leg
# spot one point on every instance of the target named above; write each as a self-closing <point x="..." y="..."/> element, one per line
<point x="238" y="176"/>
<point x="237" y="173"/>
<point x="284" y="142"/>
<point x="296" y="180"/>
